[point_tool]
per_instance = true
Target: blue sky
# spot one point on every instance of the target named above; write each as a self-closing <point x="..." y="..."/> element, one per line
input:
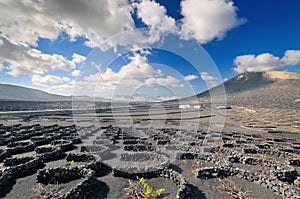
<point x="55" y="46"/>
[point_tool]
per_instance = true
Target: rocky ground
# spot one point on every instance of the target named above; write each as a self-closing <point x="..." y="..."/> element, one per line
<point x="46" y="155"/>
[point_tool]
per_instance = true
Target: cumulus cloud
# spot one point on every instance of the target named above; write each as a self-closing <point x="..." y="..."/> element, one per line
<point x="190" y="77"/>
<point x="76" y="73"/>
<point x="129" y="75"/>
<point x="48" y="79"/>
<point x="138" y="72"/>
<point x="21" y="59"/>
<point x="138" y="67"/>
<point x="266" y="62"/>
<point x="167" y="81"/>
<point x="210" y="80"/>
<point x="26" y="21"/>
<point x="291" y="57"/>
<point x="78" y="58"/>
<point x="262" y="62"/>
<point x="63" y="89"/>
<point x="110" y="79"/>
<point x="154" y="15"/>
<point x="206" y="20"/>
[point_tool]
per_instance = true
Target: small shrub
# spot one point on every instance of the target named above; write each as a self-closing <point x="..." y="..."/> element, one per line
<point x="194" y="172"/>
<point x="72" y="163"/>
<point x="142" y="190"/>
<point x="230" y="188"/>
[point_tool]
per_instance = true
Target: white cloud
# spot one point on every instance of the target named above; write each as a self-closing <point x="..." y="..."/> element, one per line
<point x="63" y="89"/>
<point x="24" y="22"/>
<point x="135" y="74"/>
<point x="138" y="68"/>
<point x="206" y="20"/>
<point x="154" y="15"/>
<point x="266" y="62"/>
<point x="166" y="98"/>
<point x="130" y="75"/>
<point x="262" y="62"/>
<point x="143" y="97"/>
<point x="110" y="79"/>
<point x="76" y="73"/>
<point x="95" y="20"/>
<point x="205" y="76"/>
<point x="78" y="58"/>
<point x="211" y="81"/>
<point x="23" y="60"/>
<point x="168" y="81"/>
<point x="291" y="57"/>
<point x="48" y="79"/>
<point x="190" y="77"/>
<point x="27" y="20"/>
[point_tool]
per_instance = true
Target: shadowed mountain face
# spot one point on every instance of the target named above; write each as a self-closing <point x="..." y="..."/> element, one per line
<point x="262" y="89"/>
<point x="18" y="93"/>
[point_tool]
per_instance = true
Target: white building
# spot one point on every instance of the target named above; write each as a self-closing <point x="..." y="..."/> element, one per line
<point x="197" y="106"/>
<point x="184" y="106"/>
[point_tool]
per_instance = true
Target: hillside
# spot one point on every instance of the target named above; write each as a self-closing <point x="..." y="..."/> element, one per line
<point x="262" y="89"/>
<point x="18" y="93"/>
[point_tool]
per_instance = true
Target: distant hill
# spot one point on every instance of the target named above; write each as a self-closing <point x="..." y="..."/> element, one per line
<point x="262" y="89"/>
<point x="19" y="93"/>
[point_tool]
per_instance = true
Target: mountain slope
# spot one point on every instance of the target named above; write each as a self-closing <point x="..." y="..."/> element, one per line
<point x="18" y="93"/>
<point x="262" y="89"/>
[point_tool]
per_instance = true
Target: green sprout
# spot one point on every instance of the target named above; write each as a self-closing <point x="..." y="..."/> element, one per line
<point x="50" y="145"/>
<point x="194" y="172"/>
<point x="158" y="192"/>
<point x="148" y="190"/>
<point x="72" y="162"/>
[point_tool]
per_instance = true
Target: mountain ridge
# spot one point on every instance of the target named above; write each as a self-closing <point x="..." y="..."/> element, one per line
<point x="20" y="93"/>
<point x="242" y="83"/>
<point x="261" y="89"/>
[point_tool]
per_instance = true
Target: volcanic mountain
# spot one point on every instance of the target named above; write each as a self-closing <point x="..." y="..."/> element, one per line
<point x="261" y="89"/>
<point x="19" y="93"/>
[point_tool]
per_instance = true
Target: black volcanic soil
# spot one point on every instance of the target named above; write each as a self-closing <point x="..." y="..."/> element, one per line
<point x="113" y="187"/>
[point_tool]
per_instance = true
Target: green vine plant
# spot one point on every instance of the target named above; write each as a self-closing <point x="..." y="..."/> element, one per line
<point x="72" y="162"/>
<point x="50" y="145"/>
<point x="142" y="190"/>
